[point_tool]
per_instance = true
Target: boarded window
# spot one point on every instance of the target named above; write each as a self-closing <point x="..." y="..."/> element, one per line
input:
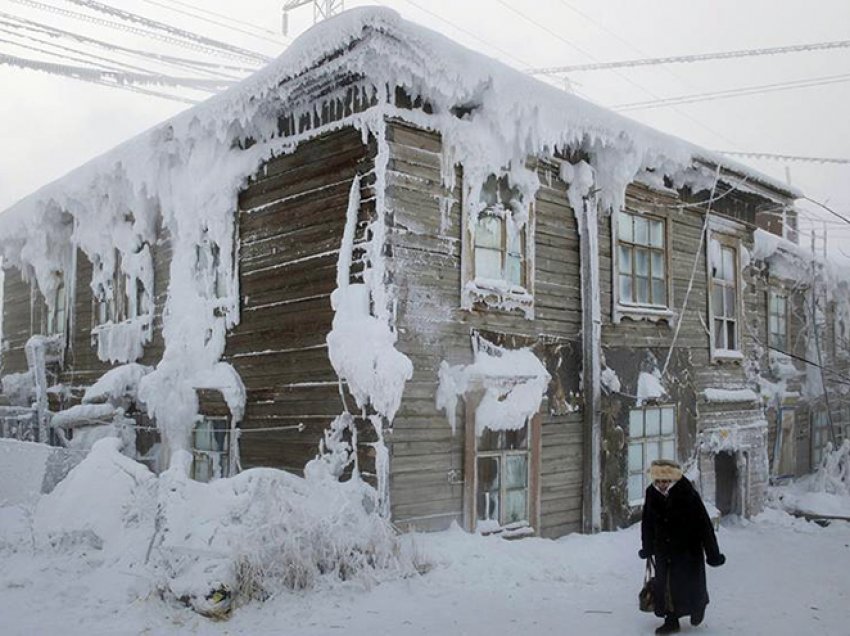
<point x="652" y="435"/>
<point x="641" y="260"/>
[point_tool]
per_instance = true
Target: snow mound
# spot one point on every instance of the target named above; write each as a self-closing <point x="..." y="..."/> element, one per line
<point x="216" y="545"/>
<point x="824" y="493"/>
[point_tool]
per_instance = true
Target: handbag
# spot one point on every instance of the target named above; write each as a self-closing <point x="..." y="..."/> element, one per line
<point x="646" y="597"/>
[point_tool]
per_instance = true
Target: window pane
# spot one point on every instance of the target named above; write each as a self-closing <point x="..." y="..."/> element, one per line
<point x="489" y="232"/>
<point x="728" y="264"/>
<point x="515" y="242"/>
<point x="642" y="262"/>
<point x="516" y="439"/>
<point x="642" y="290"/>
<point x="773" y="323"/>
<point x="635" y="423"/>
<point x="717" y="299"/>
<point x="641" y="231"/>
<point x="667" y="420"/>
<point x="513" y="270"/>
<point x="624" y="227"/>
<point x="203" y="436"/>
<point x="626" y="288"/>
<point x="635" y="457"/>
<point x="731" y="335"/>
<point x="488" y="263"/>
<point x="668" y="449"/>
<point x="657" y="264"/>
<point x="516" y="505"/>
<point x="491" y="440"/>
<point x="729" y="295"/>
<point x="636" y="488"/>
<point x="657" y="233"/>
<point x="624" y="260"/>
<point x="719" y="334"/>
<point x="652" y="451"/>
<point x="516" y="471"/>
<point x="488" y="488"/>
<point x="653" y="422"/>
<point x="659" y="292"/>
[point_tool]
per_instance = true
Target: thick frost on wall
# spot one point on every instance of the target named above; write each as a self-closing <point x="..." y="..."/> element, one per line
<point x="184" y="176"/>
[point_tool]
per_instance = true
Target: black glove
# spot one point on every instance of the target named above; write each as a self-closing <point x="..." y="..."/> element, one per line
<point x="644" y="554"/>
<point x="716" y="560"/>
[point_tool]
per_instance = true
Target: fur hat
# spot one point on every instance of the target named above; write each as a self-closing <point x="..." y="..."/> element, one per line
<point x="665" y="470"/>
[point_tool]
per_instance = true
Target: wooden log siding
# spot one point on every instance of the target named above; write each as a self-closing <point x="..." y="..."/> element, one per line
<point x="291" y="220"/>
<point x="692" y="369"/>
<point x="426" y="488"/>
<point x="17" y="321"/>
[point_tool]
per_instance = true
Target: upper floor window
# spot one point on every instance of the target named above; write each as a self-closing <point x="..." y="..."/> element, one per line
<point x="498" y="263"/>
<point x="723" y="266"/>
<point x="652" y="435"/>
<point x="777" y="320"/>
<point x="641" y="260"/>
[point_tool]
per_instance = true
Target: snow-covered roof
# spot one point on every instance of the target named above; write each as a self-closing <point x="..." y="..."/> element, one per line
<point x="396" y="52"/>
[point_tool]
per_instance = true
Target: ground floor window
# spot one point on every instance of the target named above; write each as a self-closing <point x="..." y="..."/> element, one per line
<point x="652" y="435"/>
<point x="820" y="436"/>
<point x="211" y="449"/>
<point x="502" y="471"/>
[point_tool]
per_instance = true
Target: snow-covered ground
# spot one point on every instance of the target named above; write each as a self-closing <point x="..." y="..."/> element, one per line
<point x="783" y="576"/>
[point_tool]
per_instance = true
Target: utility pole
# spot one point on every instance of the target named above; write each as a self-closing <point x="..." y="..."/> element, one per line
<point x="322" y="10"/>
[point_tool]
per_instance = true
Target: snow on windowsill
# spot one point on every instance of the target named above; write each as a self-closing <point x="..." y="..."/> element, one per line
<point x="499" y="294"/>
<point x="642" y="312"/>
<point x="727" y="354"/>
<point x="730" y="395"/>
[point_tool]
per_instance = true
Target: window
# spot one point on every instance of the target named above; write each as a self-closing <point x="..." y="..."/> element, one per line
<point x="498" y="262"/>
<point x="211" y="449"/>
<point x="777" y="320"/>
<point x="820" y="436"/>
<point x="652" y="435"/>
<point x="208" y="269"/>
<point x="641" y="260"/>
<point x="724" y="296"/>
<point x="56" y="316"/>
<point x="502" y="466"/>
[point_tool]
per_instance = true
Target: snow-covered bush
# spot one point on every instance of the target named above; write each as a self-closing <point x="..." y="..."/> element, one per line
<point x="833" y="474"/>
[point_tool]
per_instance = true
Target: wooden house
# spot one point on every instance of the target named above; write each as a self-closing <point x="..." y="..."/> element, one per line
<point x="532" y="297"/>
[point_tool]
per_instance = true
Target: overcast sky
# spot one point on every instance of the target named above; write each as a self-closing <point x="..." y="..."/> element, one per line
<point x="50" y="124"/>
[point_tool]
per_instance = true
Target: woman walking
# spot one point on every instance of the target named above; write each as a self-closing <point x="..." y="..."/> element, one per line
<point x="677" y="532"/>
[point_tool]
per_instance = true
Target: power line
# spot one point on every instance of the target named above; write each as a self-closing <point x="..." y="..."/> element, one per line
<point x="213" y="68"/>
<point x="120" y="26"/>
<point x="216" y="22"/>
<point x="229" y="18"/>
<point x="767" y="155"/>
<point x="127" y="16"/>
<point x="84" y="75"/>
<point x="735" y="92"/>
<point x="699" y="57"/>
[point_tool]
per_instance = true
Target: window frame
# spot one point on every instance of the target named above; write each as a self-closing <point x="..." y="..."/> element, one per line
<point x="773" y="293"/>
<point x="532" y="451"/>
<point x="204" y="456"/>
<point x="645" y="440"/>
<point x="637" y="310"/>
<point x="820" y="436"/>
<point x="726" y="241"/>
<point x="488" y="294"/>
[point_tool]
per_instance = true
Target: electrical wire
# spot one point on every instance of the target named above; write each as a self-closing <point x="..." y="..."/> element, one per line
<point x="734" y="92"/>
<point x="699" y="57"/>
<point x="127" y="28"/>
<point x="767" y="155"/>
<point x="229" y="18"/>
<point x="156" y="25"/>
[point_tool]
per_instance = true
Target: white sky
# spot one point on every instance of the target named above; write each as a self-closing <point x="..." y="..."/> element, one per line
<point x="49" y="124"/>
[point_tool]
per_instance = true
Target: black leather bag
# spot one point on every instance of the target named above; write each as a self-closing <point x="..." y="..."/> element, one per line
<point x="646" y="597"/>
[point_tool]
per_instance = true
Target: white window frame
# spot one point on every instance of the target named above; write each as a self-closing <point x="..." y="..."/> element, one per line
<point x="636" y="310"/>
<point x="652" y="446"/>
<point x="777" y="318"/>
<point x="487" y="293"/>
<point x="726" y="241"/>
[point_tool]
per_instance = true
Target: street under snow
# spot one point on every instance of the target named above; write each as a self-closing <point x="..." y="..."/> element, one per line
<point x="783" y="576"/>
